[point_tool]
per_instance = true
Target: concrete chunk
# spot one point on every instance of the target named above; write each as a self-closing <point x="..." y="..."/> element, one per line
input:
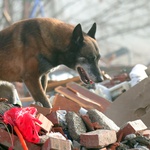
<point x="132" y="105"/>
<point x="75" y="124"/>
<point x="97" y="116"/>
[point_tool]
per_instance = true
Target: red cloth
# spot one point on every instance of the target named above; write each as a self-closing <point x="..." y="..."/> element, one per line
<point x="24" y="119"/>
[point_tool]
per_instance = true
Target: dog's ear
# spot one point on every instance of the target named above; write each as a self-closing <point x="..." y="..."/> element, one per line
<point x="77" y="35"/>
<point x="92" y="31"/>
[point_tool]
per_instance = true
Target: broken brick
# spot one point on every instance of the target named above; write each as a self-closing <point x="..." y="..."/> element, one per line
<point x="56" y="144"/>
<point x="53" y="118"/>
<point x="91" y="126"/>
<point x="46" y="124"/>
<point x="6" y="141"/>
<point x="61" y="101"/>
<point x="145" y="133"/>
<point x="58" y="129"/>
<point x="98" y="138"/>
<point x="132" y="127"/>
<point x="87" y="122"/>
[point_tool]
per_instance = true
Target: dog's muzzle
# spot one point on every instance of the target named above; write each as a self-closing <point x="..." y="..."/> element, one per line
<point x="83" y="76"/>
<point x="86" y="79"/>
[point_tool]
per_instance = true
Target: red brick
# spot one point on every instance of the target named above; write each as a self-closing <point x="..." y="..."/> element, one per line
<point x="56" y="144"/>
<point x="58" y="129"/>
<point x="87" y="122"/>
<point x="98" y="138"/>
<point x="53" y="118"/>
<point x="145" y="133"/>
<point x="91" y="126"/>
<point x="6" y="141"/>
<point x="61" y="101"/>
<point x="132" y="127"/>
<point x="46" y="124"/>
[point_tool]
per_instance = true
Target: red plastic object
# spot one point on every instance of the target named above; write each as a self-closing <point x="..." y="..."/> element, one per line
<point x="24" y="119"/>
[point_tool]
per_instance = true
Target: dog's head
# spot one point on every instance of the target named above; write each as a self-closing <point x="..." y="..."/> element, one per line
<point x="86" y="53"/>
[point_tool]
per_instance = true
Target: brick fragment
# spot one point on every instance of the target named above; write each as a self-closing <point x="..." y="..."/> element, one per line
<point x="87" y="122"/>
<point x="75" y="124"/>
<point x="145" y="133"/>
<point x="91" y="126"/>
<point x="97" y="116"/>
<point x="61" y="101"/>
<point x="58" y="129"/>
<point x="46" y="124"/>
<point x="53" y="118"/>
<point x="98" y="138"/>
<point x="56" y="144"/>
<point x="6" y="141"/>
<point x="131" y="127"/>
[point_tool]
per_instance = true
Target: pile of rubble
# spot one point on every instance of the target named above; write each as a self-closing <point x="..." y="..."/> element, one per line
<point x="113" y="118"/>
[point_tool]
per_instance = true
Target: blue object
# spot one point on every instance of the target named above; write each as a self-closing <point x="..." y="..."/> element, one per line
<point x="36" y="4"/>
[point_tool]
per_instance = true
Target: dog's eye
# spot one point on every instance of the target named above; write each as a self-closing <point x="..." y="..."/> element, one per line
<point x="93" y="58"/>
<point x="98" y="57"/>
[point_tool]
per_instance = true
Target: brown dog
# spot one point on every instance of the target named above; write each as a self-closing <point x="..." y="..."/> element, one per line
<point x="30" y="48"/>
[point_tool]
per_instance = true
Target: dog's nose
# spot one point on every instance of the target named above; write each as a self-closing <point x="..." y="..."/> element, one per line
<point x="100" y="79"/>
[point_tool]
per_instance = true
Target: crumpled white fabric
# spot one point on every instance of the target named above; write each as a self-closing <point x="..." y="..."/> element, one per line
<point x="137" y="74"/>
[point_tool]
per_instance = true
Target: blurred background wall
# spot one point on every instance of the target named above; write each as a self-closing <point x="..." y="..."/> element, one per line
<point x="123" y="26"/>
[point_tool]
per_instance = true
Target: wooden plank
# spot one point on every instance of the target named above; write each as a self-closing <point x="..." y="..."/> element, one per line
<point x="53" y="84"/>
<point x="64" y="103"/>
<point x="86" y="93"/>
<point x="82" y="101"/>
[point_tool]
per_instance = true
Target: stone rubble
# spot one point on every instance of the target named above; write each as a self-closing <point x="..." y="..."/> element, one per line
<point x="83" y="120"/>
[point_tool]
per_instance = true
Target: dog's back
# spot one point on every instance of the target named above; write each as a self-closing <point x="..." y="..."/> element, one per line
<point x="27" y="38"/>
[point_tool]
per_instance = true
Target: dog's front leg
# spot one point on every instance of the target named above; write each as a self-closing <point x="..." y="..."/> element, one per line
<point x="44" y="81"/>
<point x="35" y="88"/>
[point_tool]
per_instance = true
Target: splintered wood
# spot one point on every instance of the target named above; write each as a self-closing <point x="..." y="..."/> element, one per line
<point x="83" y="97"/>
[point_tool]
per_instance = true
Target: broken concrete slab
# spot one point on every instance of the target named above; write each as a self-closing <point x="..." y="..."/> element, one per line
<point x="97" y="116"/>
<point x="132" y="105"/>
<point x="75" y="125"/>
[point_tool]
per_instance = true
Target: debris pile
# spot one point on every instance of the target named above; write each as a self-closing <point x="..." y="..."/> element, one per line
<point x="81" y="119"/>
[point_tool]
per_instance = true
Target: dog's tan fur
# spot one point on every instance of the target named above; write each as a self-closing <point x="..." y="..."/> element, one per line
<point x="30" y="48"/>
